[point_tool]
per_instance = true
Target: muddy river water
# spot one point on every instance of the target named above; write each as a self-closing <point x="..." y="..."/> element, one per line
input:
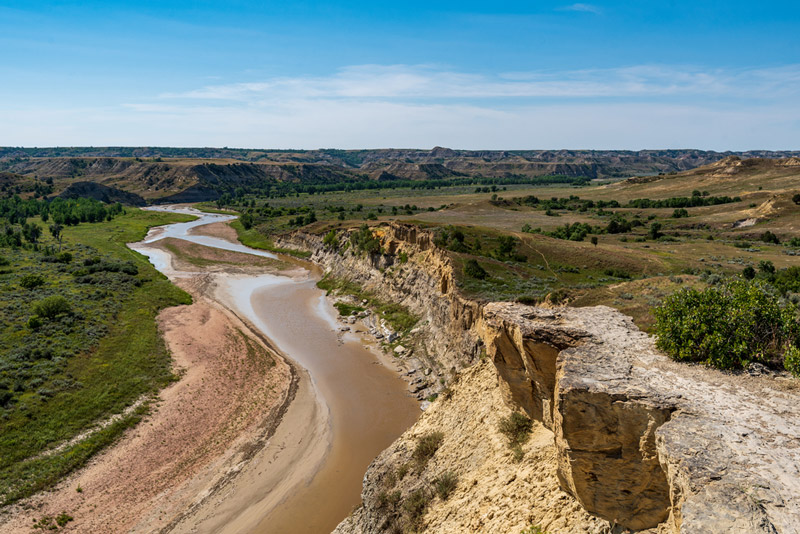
<point x="352" y="403"/>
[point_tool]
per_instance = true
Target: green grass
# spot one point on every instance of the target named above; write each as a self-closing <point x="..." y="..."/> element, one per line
<point x="92" y="364"/>
<point x="398" y="316"/>
<point x="346" y="309"/>
<point x="254" y="239"/>
<point x="39" y="474"/>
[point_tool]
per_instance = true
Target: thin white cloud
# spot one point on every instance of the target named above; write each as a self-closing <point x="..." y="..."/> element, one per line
<point x="582" y="8"/>
<point x="373" y="106"/>
<point x="426" y="82"/>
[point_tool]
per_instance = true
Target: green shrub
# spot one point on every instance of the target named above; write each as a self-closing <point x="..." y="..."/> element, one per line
<point x="516" y="427"/>
<point x="61" y="257"/>
<point x="680" y="213"/>
<point x="389" y="499"/>
<point x="51" y="307"/>
<point x="365" y="241"/>
<point x="727" y="326"/>
<point x="331" y="240"/>
<point x="559" y="296"/>
<point x="402" y="471"/>
<point x="3" y="261"/>
<point x="655" y="231"/>
<point x="415" y="506"/>
<point x="63" y="518"/>
<point x="473" y="269"/>
<point x="246" y="220"/>
<point x="403" y="257"/>
<point x="769" y="237"/>
<point x="427" y="445"/>
<point x="34" y="323"/>
<point x="445" y="484"/>
<point x="617" y="273"/>
<point x="31" y="281"/>
<point x="791" y="360"/>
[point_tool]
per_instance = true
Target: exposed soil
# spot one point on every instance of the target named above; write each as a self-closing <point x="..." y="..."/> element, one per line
<point x="187" y="256"/>
<point x="221" y="229"/>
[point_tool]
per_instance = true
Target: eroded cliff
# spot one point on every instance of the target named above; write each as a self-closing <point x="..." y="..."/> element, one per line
<point x="629" y="439"/>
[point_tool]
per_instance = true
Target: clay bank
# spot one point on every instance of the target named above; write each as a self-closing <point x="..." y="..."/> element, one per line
<point x="625" y="439"/>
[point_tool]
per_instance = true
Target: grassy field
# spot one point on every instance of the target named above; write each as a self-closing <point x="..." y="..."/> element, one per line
<point x="632" y="270"/>
<point x="59" y="378"/>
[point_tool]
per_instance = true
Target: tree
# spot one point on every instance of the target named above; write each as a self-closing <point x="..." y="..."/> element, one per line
<point x="655" y="230"/>
<point x="473" y="269"/>
<point x="505" y="246"/>
<point x="55" y="230"/>
<point x="32" y="232"/>
<point x="247" y="221"/>
<point x="766" y="267"/>
<point x="31" y="281"/>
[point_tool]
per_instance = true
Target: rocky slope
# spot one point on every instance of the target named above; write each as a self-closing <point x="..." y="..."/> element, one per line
<point x="637" y="441"/>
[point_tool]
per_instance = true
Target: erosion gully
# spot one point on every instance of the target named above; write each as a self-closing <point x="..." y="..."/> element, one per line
<point x="365" y="405"/>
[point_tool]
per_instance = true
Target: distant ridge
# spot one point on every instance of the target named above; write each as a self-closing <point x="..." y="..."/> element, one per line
<point x="164" y="174"/>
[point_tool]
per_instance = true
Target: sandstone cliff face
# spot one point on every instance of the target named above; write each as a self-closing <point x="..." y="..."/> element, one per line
<point x="638" y="441"/>
<point x="425" y="285"/>
<point x="494" y="494"/>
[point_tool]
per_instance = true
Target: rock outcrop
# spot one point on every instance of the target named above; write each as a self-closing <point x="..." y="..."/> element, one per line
<point x="637" y="440"/>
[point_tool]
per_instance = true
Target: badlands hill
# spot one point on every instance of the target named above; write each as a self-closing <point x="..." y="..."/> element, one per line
<point x="185" y="175"/>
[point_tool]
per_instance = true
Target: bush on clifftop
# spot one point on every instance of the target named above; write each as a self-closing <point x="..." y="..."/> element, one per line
<point x="729" y="326"/>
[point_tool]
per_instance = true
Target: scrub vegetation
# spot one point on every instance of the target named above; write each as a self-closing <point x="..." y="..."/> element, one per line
<point x="629" y="245"/>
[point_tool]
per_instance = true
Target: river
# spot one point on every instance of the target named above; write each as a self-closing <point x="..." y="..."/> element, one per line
<point x="349" y="407"/>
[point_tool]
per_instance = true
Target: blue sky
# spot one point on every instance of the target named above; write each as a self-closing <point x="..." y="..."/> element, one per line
<point x="628" y="75"/>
